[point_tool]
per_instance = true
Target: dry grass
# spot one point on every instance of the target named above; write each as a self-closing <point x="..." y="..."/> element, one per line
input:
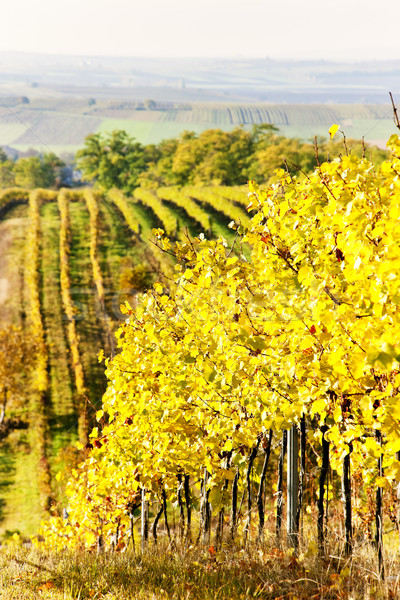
<point x="198" y="573"/>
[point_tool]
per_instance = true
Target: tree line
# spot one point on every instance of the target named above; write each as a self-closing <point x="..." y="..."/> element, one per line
<point x="30" y="172"/>
<point x="117" y="160"/>
<point x="214" y="156"/>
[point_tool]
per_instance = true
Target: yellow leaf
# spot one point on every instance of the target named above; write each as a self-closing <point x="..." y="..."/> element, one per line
<point x="333" y="130"/>
<point x="382" y="482"/>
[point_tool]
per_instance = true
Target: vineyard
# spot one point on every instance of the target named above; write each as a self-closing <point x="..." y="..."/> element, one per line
<point x="251" y="391"/>
<point x="69" y="259"/>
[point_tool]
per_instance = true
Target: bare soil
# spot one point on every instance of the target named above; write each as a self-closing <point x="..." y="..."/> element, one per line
<point x="5" y="243"/>
<point x="11" y="236"/>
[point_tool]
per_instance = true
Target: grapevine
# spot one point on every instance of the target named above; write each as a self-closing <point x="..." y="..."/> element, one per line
<point x="208" y="195"/>
<point x="306" y="329"/>
<point x="165" y="216"/>
<point x="40" y="379"/>
<point x="183" y="200"/>
<point x="69" y="309"/>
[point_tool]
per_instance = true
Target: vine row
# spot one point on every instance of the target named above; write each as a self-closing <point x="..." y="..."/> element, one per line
<point x="70" y="312"/>
<point x="40" y="381"/>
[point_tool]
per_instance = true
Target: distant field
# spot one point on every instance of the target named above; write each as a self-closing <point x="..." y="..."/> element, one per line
<point x="10" y="132"/>
<point x="62" y="125"/>
<point x="375" y="131"/>
<point x="148" y="132"/>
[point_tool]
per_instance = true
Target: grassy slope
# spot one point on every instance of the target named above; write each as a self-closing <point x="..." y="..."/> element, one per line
<point x="19" y="495"/>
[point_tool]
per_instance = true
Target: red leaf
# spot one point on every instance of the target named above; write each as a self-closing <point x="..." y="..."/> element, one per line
<point x="307" y="351"/>
<point x="339" y="255"/>
<point x="46" y="586"/>
<point x="312" y="329"/>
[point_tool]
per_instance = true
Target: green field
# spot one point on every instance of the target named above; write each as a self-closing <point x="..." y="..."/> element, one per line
<point x="63" y="125"/>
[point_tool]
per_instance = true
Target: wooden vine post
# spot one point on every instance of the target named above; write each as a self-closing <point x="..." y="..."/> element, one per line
<point x="279" y="487"/>
<point x="346" y="490"/>
<point x="322" y="482"/>
<point x="292" y="485"/>
<point x="235" y="484"/>
<point x="186" y="489"/>
<point x="206" y="509"/>
<point x="260" y="498"/>
<point x="303" y="439"/>
<point x="144" y="530"/>
<point x="378" y="512"/>
<point x="3" y="408"/>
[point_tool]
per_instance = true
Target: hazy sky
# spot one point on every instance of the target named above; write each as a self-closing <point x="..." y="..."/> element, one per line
<point x="342" y="29"/>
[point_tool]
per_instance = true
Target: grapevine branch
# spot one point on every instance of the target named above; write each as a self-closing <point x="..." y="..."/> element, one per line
<point x="395" y="115"/>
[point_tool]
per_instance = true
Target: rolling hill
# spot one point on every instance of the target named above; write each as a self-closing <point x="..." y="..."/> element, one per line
<point x="61" y="125"/>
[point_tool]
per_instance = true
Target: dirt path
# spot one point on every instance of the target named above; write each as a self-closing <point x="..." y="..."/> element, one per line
<point x="4" y="290"/>
<point x="18" y="463"/>
<point x="12" y="235"/>
<point x="5" y="243"/>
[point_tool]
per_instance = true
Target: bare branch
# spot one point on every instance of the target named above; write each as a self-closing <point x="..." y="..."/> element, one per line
<point x="395" y="115"/>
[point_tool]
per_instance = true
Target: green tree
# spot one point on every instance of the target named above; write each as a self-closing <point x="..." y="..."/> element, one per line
<point x="215" y="155"/>
<point x="275" y="152"/>
<point x="34" y="172"/>
<point x="149" y="104"/>
<point x="7" y="178"/>
<point x="115" y="160"/>
<point x="55" y="167"/>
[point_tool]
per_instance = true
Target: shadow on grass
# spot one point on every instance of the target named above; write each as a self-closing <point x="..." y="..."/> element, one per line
<point x="62" y="423"/>
<point x="7" y="470"/>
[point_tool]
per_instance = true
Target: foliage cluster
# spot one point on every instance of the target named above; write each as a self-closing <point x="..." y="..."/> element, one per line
<point x="133" y="277"/>
<point x="123" y="206"/>
<point x="212" y="157"/>
<point x="306" y="327"/>
<point x="31" y="172"/>
<point x="11" y="196"/>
